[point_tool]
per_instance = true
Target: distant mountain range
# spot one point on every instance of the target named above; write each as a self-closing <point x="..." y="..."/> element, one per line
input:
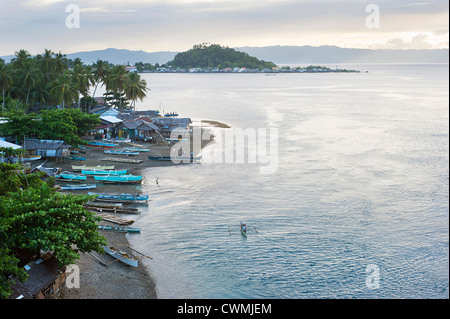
<point x="278" y="55"/>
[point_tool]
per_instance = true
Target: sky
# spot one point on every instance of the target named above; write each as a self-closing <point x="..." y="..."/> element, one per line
<point x="176" y="25"/>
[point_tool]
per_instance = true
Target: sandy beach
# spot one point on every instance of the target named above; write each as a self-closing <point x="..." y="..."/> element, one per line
<point x="116" y="280"/>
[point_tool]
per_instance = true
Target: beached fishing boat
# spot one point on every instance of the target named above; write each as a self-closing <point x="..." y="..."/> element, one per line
<point x="175" y="158"/>
<point x="119" y="178"/>
<point x="103" y="172"/>
<point x="68" y="176"/>
<point x="76" y="158"/>
<point x="29" y="158"/>
<point x="121" y="256"/>
<point x="121" y="197"/>
<point x="77" y="168"/>
<point x="122" y="160"/>
<point x="120" y="229"/>
<point x="78" y="187"/>
<point x="100" y="144"/>
<point x="128" y="153"/>
<point x="136" y="149"/>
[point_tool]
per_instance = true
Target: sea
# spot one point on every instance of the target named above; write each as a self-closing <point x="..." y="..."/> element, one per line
<point x="355" y="204"/>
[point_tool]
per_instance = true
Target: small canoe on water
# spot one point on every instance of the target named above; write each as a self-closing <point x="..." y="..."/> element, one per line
<point x="129" y="153"/>
<point x="121" y="256"/>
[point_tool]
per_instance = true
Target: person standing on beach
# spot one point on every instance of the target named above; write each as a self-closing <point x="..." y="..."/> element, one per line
<point x="157" y="181"/>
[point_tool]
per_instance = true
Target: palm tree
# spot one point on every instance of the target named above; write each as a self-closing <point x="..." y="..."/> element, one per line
<point x="47" y="63"/>
<point x="30" y="76"/>
<point x="6" y="80"/>
<point x="21" y="57"/>
<point x="135" y="88"/>
<point x="116" y="80"/>
<point x="60" y="62"/>
<point x="63" y="90"/>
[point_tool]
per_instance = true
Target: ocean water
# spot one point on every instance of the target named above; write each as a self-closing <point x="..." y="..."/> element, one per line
<point x="358" y="204"/>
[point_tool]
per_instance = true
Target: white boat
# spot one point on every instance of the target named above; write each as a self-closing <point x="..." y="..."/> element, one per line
<point x="27" y="158"/>
<point x="121" y="256"/>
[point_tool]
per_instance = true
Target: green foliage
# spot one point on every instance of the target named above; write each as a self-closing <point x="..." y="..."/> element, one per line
<point x="214" y="55"/>
<point x="34" y="217"/>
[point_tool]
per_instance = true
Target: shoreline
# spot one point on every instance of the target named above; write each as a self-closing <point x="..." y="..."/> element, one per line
<point x="116" y="280"/>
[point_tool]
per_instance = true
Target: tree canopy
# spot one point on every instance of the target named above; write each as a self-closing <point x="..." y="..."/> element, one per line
<point x="34" y="217"/>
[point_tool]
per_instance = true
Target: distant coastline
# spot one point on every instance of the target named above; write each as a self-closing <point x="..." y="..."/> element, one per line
<point x="285" y="69"/>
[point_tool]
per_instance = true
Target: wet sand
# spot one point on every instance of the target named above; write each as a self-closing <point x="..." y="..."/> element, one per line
<point x="116" y="280"/>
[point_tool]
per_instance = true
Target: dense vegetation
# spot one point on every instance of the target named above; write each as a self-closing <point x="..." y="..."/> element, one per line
<point x="50" y="79"/>
<point x="216" y="56"/>
<point x="34" y="218"/>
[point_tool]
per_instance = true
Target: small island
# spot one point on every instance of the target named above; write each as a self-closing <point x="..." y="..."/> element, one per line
<point x="214" y="58"/>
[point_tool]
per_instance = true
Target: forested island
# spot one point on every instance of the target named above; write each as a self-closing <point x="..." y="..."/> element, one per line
<point x="214" y="58"/>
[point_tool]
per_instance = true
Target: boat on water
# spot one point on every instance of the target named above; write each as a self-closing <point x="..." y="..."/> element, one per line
<point x="101" y="144"/>
<point x="173" y="114"/>
<point x="76" y="168"/>
<point x="29" y="158"/>
<point x="78" y="187"/>
<point x="103" y="172"/>
<point x="175" y="158"/>
<point x="244" y="229"/>
<point x="69" y="176"/>
<point x="128" y="153"/>
<point x="119" y="178"/>
<point x="120" y="229"/>
<point x="123" y="197"/>
<point x="121" y="256"/>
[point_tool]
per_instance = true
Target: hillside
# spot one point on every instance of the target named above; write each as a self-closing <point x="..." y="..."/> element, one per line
<point x="216" y="56"/>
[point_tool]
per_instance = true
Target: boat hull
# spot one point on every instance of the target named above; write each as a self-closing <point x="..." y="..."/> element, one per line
<point x="121" y="256"/>
<point x="103" y="172"/>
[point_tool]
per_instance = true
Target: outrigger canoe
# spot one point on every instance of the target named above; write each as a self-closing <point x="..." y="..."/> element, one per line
<point x="121" y="256"/>
<point x="68" y="176"/>
<point x="98" y="167"/>
<point x="118" y="178"/>
<point x="128" y="153"/>
<point x="121" y="197"/>
<point x="175" y="158"/>
<point x="103" y="172"/>
<point x="120" y="229"/>
<point x="78" y="187"/>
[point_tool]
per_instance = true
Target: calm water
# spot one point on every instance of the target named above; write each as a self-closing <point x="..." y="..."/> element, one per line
<point x="362" y="180"/>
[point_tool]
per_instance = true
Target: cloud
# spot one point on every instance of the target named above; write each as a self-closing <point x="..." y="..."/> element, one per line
<point x="176" y="25"/>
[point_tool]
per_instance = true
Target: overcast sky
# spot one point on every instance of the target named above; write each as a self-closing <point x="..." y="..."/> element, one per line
<point x="176" y="25"/>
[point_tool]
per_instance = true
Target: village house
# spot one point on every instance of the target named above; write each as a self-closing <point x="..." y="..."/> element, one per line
<point x="45" y="280"/>
<point x="47" y="148"/>
<point x="167" y="124"/>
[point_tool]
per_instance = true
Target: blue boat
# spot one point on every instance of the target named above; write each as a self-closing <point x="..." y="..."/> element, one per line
<point x="119" y="178"/>
<point x="122" y="152"/>
<point x="103" y="172"/>
<point x="121" y="197"/>
<point x="71" y="177"/>
<point x="175" y="158"/>
<point x="100" y="144"/>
